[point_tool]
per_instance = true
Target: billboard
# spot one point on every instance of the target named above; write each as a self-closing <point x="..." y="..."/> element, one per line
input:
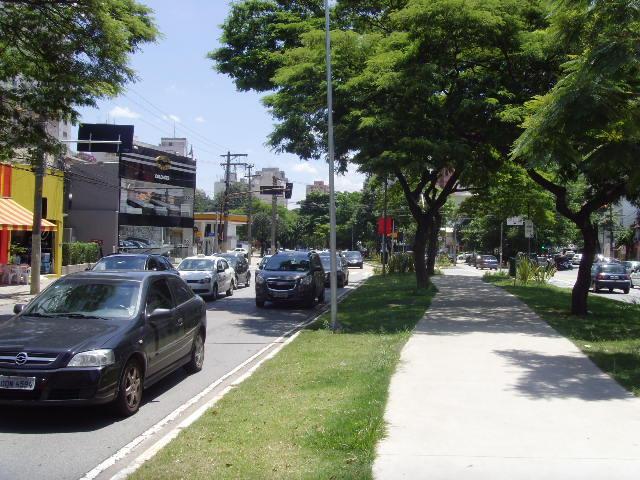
<point x="105" y="132"/>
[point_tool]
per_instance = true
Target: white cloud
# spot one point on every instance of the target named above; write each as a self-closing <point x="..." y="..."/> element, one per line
<point x="123" y="112"/>
<point x="199" y="119"/>
<point x="305" y="168"/>
<point x="172" y="117"/>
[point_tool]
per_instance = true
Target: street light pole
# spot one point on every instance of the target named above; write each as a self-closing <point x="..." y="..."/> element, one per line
<point x="332" y="194"/>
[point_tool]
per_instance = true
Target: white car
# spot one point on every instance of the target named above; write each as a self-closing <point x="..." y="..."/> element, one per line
<point x="577" y="257"/>
<point x="208" y="275"/>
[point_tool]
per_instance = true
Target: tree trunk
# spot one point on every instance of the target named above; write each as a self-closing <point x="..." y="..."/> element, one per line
<point x="419" y="247"/>
<point x="432" y="246"/>
<point x="36" y="252"/>
<point x="580" y="290"/>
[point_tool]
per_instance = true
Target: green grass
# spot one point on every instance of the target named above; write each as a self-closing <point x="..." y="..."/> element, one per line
<point x="609" y="335"/>
<point x="313" y="411"/>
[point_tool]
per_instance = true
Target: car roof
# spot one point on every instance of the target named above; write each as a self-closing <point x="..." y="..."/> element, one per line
<point x="293" y="254"/>
<point x="113" y="275"/>
<point x="143" y="255"/>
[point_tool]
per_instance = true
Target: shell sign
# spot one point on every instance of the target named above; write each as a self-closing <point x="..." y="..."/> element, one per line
<point x="163" y="162"/>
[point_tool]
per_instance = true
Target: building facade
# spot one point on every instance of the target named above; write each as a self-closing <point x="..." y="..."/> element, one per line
<point x="318" y="187"/>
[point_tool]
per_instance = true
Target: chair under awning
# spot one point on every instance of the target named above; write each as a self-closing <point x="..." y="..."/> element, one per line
<point x="14" y="216"/>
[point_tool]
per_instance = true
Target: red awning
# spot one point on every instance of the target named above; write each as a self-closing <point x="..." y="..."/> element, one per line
<point x="14" y="216"/>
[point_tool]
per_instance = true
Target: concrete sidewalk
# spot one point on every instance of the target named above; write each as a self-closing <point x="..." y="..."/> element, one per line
<point x="12" y="294"/>
<point x="487" y="390"/>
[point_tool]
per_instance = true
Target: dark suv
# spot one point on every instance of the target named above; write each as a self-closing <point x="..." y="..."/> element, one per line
<point x="134" y="261"/>
<point x="291" y="276"/>
<point x="610" y="276"/>
<point x="240" y="265"/>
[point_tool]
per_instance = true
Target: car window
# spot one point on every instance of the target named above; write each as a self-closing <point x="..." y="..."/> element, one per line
<point x="152" y="264"/>
<point x="167" y="263"/>
<point x="613" y="268"/>
<point x="181" y="291"/>
<point x="196" y="264"/>
<point x="160" y="263"/>
<point x="288" y="264"/>
<point x="223" y="264"/>
<point x="120" y="263"/>
<point x="158" y="296"/>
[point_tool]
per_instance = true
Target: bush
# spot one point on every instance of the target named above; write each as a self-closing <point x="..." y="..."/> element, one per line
<point x="401" y="263"/>
<point x="443" y="260"/>
<point x="80" y="252"/>
<point x="527" y="270"/>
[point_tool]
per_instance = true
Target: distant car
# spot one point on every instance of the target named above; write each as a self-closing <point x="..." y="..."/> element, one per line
<point x="242" y="251"/>
<point x="291" y="277"/>
<point x="208" y="275"/>
<point x="240" y="265"/>
<point x="610" y="276"/>
<point x="342" y="272"/>
<point x="562" y="263"/>
<point x="633" y="269"/>
<point x="134" y="262"/>
<point x="354" y="258"/>
<point x="576" y="259"/>
<point x="487" y="261"/>
<point x="97" y="338"/>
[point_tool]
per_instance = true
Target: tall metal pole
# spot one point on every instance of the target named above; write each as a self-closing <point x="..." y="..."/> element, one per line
<point x="36" y="251"/>
<point x="332" y="194"/>
<point x="274" y="206"/>
<point x="384" y="229"/>
<point x="501" y="235"/>
<point x="250" y="237"/>
<point x="225" y="218"/>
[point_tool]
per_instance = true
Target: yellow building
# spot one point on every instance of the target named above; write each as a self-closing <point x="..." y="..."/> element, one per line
<point x="17" y="182"/>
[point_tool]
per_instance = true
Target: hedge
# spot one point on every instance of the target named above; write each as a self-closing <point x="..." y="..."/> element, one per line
<point x="80" y="252"/>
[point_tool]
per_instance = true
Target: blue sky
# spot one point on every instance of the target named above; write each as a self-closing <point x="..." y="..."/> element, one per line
<point x="178" y="86"/>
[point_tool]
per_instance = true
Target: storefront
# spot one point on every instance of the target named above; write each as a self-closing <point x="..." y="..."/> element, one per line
<point x="16" y="217"/>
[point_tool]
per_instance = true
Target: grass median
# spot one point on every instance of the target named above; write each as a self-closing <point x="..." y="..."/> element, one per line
<point x="313" y="411"/>
<point x="609" y="335"/>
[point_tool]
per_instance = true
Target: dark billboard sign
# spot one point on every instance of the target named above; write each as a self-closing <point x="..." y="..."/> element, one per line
<point x="105" y="132"/>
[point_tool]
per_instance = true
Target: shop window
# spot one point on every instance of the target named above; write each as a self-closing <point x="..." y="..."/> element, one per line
<point x="44" y="207"/>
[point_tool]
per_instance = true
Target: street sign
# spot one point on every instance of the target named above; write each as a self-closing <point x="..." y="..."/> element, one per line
<point x="271" y="190"/>
<point x="512" y="221"/>
<point x="381" y="227"/>
<point x="528" y="229"/>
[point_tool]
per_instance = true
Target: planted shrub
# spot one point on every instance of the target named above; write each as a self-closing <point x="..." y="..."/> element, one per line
<point x="80" y="252"/>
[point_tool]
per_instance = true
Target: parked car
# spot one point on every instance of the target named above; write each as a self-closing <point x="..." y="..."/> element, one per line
<point x="633" y="269"/>
<point x="291" y="276"/>
<point x="134" y="261"/>
<point x="342" y="272"/>
<point x="487" y="261"/>
<point x="562" y="263"/>
<point x="98" y="338"/>
<point x="576" y="259"/>
<point x="354" y="258"/>
<point x="208" y="275"/>
<point x="263" y="262"/>
<point x="611" y="276"/>
<point x="241" y="251"/>
<point x="240" y="265"/>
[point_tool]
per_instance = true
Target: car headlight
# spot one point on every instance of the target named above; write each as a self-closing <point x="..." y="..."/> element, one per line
<point x="306" y="280"/>
<point x="205" y="280"/>
<point x="93" y="358"/>
<point x="259" y="279"/>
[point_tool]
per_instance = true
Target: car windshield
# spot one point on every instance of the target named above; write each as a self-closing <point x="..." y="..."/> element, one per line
<point x="120" y="263"/>
<point x="352" y="254"/>
<point x="193" y="264"/>
<point x="87" y="298"/>
<point x="287" y="264"/>
<point x="231" y="259"/>
<point x="489" y="257"/>
<point x="613" y="268"/>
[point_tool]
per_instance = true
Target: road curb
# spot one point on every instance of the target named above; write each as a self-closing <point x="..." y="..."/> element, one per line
<point x="267" y="353"/>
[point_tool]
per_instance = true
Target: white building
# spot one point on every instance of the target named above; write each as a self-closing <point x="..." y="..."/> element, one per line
<point x="318" y="187"/>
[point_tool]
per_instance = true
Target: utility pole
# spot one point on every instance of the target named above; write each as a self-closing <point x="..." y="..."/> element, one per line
<point x="274" y="206"/>
<point x="501" y="235"/>
<point x="36" y="252"/>
<point x="611" y="249"/>
<point x="225" y="204"/>
<point x="384" y="229"/>
<point x="249" y="212"/>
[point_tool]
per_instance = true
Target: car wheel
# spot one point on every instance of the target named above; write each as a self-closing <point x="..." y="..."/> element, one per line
<point x="321" y="297"/>
<point x="248" y="282"/>
<point x="310" y="302"/>
<point x="594" y="287"/>
<point x="341" y="283"/>
<point x="626" y="291"/>
<point x="130" y="392"/>
<point x="214" y="292"/>
<point x="197" y="355"/>
<point x="611" y="290"/>
<point x="361" y="266"/>
<point x="259" y="303"/>
<point x="231" y="288"/>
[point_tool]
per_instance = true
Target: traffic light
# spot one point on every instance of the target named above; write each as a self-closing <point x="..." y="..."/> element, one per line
<point x="288" y="190"/>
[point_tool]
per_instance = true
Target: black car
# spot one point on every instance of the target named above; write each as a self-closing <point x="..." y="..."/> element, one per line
<point x="562" y="262"/>
<point x="342" y="272"/>
<point x="241" y="266"/>
<point x="291" y="276"/>
<point x="354" y="258"/>
<point x="134" y="261"/>
<point x="97" y="338"/>
<point x="610" y="276"/>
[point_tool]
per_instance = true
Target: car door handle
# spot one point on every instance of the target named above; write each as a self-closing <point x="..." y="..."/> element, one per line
<point x="180" y="321"/>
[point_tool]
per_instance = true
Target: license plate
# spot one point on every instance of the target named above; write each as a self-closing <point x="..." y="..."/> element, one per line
<point x="613" y="277"/>
<point x="277" y="294"/>
<point x="17" y="383"/>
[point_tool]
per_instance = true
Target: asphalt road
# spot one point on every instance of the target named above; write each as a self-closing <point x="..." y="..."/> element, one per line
<point x="567" y="278"/>
<point x="66" y="443"/>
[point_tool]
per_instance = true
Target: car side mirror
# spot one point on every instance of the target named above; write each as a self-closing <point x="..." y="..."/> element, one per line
<point x="159" y="314"/>
<point x="18" y="307"/>
<point x="220" y="268"/>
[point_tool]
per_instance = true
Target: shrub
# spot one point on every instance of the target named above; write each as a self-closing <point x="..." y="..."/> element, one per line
<point x="443" y="260"/>
<point x="401" y="263"/>
<point x="80" y="252"/>
<point x="527" y="270"/>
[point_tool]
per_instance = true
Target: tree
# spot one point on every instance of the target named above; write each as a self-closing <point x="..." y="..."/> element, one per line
<point x="587" y="127"/>
<point x="203" y="203"/>
<point x="56" y="56"/>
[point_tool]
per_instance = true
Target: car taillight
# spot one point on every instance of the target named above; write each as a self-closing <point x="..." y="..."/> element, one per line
<point x="626" y="277"/>
<point x="601" y="276"/>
